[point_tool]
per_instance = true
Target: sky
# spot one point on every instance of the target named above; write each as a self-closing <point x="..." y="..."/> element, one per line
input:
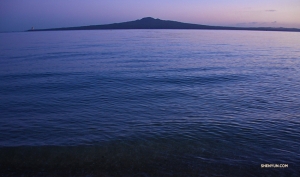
<point x="20" y="15"/>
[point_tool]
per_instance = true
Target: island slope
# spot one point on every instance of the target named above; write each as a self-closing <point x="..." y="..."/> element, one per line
<point x="151" y="23"/>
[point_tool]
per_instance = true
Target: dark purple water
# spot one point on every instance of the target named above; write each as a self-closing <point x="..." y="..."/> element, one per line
<point x="149" y="103"/>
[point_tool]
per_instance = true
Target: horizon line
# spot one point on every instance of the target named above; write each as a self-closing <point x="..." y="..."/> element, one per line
<point x="156" y="23"/>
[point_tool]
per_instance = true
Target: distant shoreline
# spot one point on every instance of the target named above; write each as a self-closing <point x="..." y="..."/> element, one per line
<point x="151" y="23"/>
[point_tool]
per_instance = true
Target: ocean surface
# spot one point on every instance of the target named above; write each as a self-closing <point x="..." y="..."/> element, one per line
<point x="149" y="103"/>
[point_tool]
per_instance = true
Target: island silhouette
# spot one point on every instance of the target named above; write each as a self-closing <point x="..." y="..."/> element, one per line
<point x="152" y="23"/>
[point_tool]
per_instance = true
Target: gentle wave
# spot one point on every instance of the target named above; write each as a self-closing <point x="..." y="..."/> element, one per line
<point x="149" y="103"/>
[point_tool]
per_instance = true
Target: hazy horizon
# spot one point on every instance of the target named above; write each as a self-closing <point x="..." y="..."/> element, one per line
<point x="16" y="15"/>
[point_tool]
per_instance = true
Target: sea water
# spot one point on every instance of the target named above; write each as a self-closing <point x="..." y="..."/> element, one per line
<point x="149" y="103"/>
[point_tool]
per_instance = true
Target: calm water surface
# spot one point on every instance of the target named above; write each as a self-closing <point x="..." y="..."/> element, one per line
<point x="149" y="103"/>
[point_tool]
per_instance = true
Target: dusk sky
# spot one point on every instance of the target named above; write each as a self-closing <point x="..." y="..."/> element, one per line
<point x="19" y="15"/>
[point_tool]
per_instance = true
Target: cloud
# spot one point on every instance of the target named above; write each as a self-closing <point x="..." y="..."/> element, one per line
<point x="270" y="10"/>
<point x="256" y="24"/>
<point x="250" y="23"/>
